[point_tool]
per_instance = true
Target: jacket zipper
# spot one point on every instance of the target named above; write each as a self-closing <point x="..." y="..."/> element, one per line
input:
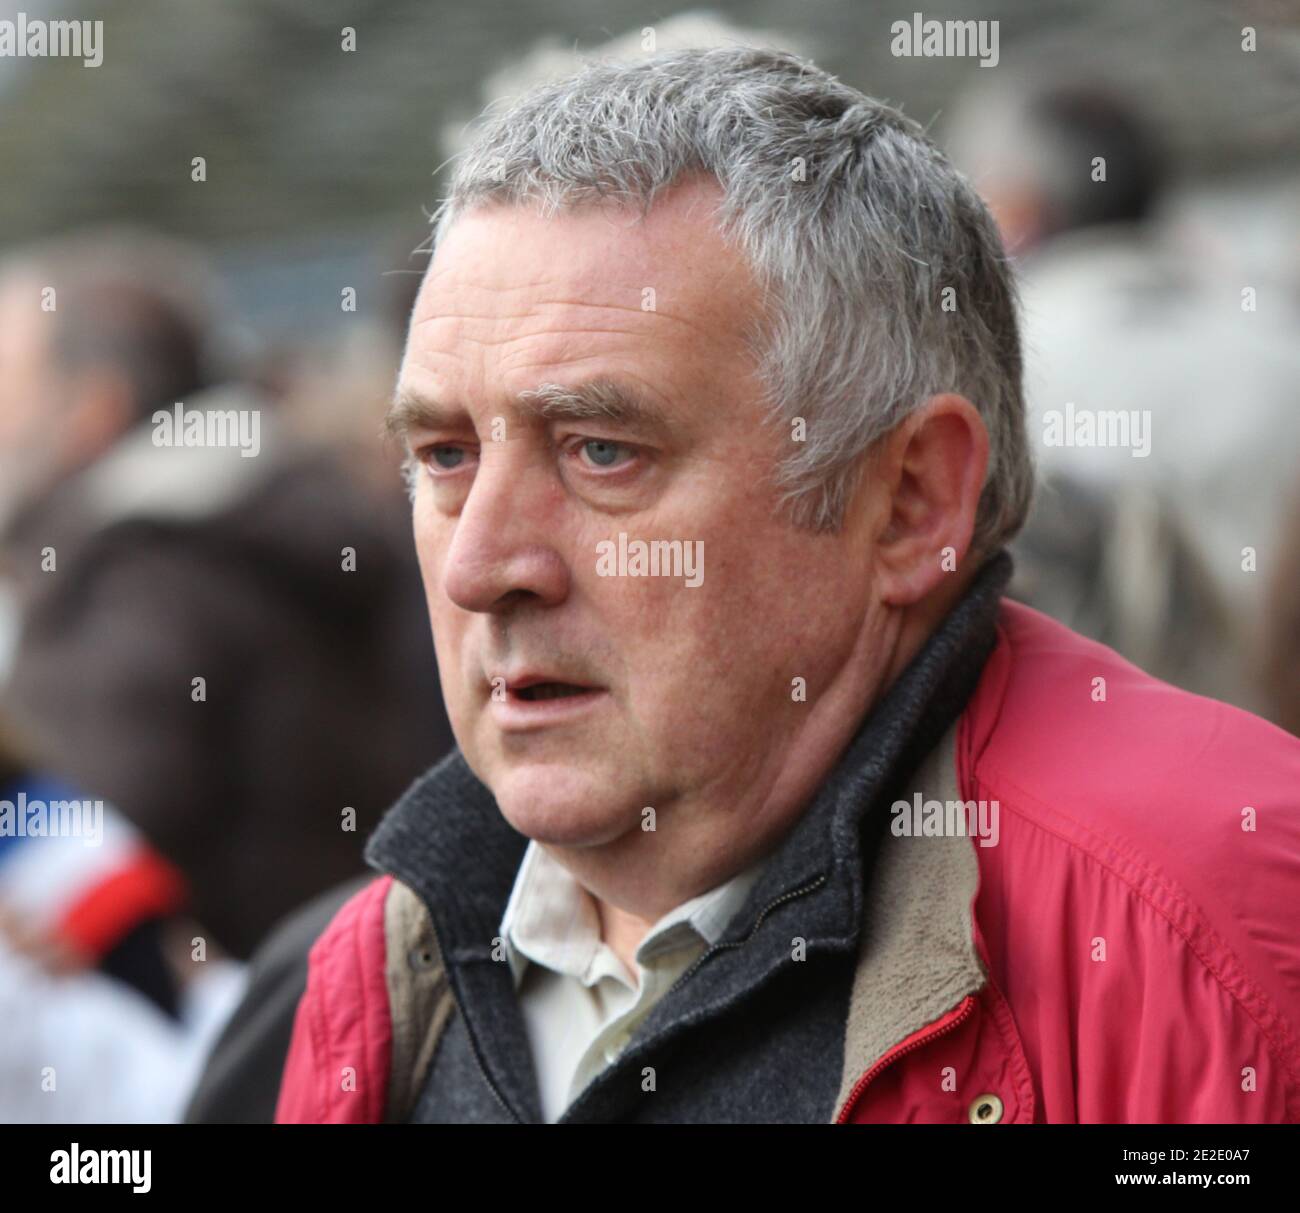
<point x="758" y="922"/>
<point x="968" y="1007"/>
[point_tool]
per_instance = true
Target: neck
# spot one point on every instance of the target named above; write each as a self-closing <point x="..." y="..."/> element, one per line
<point x="622" y="932"/>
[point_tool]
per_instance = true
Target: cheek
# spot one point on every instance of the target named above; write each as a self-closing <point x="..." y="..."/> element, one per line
<point x="778" y="607"/>
<point x="693" y="654"/>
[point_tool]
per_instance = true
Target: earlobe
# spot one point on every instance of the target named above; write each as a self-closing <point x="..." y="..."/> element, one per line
<point x="935" y="463"/>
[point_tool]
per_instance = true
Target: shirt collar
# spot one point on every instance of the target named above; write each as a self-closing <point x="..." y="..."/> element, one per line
<point x="552" y="920"/>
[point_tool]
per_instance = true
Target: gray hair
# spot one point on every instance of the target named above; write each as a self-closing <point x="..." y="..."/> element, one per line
<point x="853" y="222"/>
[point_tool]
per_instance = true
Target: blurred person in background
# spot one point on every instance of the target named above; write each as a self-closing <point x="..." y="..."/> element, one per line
<point x="109" y="999"/>
<point x="224" y="639"/>
<point x="1160" y="547"/>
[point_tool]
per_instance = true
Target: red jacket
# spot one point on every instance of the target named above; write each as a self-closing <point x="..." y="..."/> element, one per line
<point x="1128" y="951"/>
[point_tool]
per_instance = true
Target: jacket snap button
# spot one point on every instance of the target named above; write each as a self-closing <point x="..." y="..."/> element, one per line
<point x="420" y="959"/>
<point x="985" y="1110"/>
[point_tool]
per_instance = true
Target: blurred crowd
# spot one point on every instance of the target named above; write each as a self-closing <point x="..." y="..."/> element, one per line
<point x="223" y="647"/>
<point x="230" y="654"/>
<point x="1177" y="547"/>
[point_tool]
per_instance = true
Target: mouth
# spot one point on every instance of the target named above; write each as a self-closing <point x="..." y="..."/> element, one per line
<point x="549" y="690"/>
<point x="533" y="701"/>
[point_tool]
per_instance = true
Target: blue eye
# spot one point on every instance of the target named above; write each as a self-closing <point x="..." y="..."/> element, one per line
<point x="448" y="457"/>
<point x="602" y="454"/>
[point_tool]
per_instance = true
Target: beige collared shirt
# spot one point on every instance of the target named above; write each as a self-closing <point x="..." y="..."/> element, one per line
<point x="580" y="1005"/>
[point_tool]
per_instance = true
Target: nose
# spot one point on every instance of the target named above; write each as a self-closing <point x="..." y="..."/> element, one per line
<point x="502" y="550"/>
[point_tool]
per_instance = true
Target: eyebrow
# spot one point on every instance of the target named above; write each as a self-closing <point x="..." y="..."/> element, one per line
<point x="601" y="398"/>
<point x="409" y="411"/>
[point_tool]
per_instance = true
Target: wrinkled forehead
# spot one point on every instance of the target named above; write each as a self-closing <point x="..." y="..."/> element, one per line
<point x="671" y="260"/>
<point x="513" y="296"/>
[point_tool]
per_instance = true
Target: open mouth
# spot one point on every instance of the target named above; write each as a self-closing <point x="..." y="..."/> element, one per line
<point x="550" y="690"/>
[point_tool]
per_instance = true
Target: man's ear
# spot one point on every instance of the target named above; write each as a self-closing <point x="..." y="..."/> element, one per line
<point x="102" y="409"/>
<point x="932" y="469"/>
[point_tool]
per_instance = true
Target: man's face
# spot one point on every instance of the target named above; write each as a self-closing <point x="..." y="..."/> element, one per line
<point x="688" y="699"/>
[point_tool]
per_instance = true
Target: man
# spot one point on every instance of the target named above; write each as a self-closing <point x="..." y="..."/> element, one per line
<point x="712" y="402"/>
<point x="206" y="627"/>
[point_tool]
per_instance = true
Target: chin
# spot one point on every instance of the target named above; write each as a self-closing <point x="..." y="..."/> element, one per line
<point x="563" y="805"/>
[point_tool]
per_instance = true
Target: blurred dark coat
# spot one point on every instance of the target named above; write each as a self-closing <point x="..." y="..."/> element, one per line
<point x="321" y="687"/>
<point x="241" y="1078"/>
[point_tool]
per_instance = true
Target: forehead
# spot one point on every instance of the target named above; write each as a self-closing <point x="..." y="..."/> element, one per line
<point x="607" y="246"/>
<point x="510" y="292"/>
